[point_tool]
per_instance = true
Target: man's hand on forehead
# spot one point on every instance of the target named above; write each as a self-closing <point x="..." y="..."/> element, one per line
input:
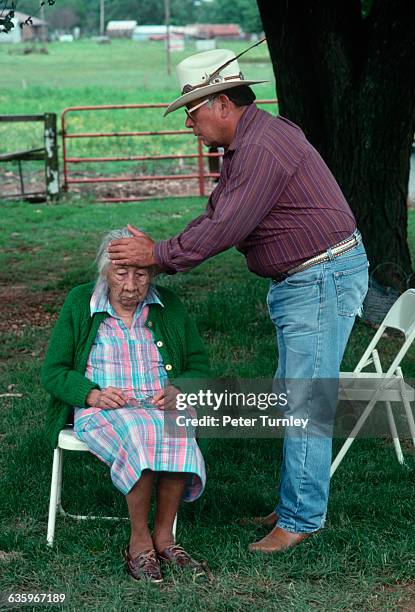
<point x="134" y="251"/>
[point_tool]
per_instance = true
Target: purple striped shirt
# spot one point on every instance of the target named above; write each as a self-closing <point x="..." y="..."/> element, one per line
<point x="276" y="201"/>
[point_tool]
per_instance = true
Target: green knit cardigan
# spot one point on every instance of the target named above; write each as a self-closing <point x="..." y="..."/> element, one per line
<point x="181" y="349"/>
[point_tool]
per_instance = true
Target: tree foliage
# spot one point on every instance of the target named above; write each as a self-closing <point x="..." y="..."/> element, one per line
<point x="243" y="12"/>
<point x="7" y="13"/>
<point x="85" y="13"/>
<point x="345" y="73"/>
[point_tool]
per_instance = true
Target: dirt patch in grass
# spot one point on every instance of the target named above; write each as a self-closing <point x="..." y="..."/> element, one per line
<point x="147" y="189"/>
<point x="8" y="557"/>
<point x="22" y="308"/>
<point x="406" y="600"/>
<point x="102" y="191"/>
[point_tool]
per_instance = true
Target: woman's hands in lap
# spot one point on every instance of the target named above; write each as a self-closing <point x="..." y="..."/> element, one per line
<point x="108" y="398"/>
<point x="112" y="398"/>
<point x="165" y="399"/>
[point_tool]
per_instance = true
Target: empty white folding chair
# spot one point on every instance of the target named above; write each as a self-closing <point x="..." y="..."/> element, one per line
<point x="69" y="442"/>
<point x="379" y="386"/>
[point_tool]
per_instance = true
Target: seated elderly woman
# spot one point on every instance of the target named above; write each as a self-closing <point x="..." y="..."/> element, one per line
<point x="115" y="353"/>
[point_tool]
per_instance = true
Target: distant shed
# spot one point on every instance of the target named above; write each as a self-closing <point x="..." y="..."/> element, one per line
<point x="155" y="32"/>
<point x="32" y="29"/>
<point x="224" y="31"/>
<point x="145" y="32"/>
<point x="120" y="29"/>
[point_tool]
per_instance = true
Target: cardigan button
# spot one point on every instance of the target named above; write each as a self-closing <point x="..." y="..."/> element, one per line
<point x="159" y="343"/>
<point x="150" y="323"/>
<point x="169" y="367"/>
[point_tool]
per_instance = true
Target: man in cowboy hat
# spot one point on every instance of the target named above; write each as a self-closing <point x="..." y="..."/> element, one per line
<point x="278" y="203"/>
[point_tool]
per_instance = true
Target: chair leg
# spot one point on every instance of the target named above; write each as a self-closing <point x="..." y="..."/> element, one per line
<point x="55" y="505"/>
<point x="394" y="433"/>
<point x="54" y="495"/>
<point x="78" y="517"/>
<point x="391" y="420"/>
<point x="59" y="498"/>
<point x="91" y="517"/>
<point x="407" y="405"/>
<point x="340" y="455"/>
<point x="361" y="421"/>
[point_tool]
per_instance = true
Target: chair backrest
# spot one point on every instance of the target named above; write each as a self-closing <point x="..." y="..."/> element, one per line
<point x="401" y="316"/>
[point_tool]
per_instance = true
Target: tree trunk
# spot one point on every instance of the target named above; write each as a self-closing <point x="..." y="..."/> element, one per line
<point x="349" y="83"/>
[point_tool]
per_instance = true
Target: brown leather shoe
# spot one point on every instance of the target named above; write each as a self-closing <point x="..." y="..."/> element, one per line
<point x="177" y="556"/>
<point x="260" y="521"/>
<point x="278" y="539"/>
<point x="145" y="566"/>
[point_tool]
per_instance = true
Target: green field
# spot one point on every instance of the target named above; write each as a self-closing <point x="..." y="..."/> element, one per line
<point x="363" y="560"/>
<point x="365" y="557"/>
<point x="86" y="73"/>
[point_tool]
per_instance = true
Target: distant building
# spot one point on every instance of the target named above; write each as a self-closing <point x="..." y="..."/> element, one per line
<point x="32" y="29"/>
<point x="159" y="32"/>
<point x="120" y="29"/>
<point x="205" y="44"/>
<point x="66" y="38"/>
<point x="13" y="36"/>
<point x="176" y="42"/>
<point x="156" y="32"/>
<point x="224" y="31"/>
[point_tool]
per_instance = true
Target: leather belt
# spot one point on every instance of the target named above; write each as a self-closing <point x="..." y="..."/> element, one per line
<point x="338" y="249"/>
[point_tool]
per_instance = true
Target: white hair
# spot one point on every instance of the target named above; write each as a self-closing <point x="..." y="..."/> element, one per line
<point x="103" y="260"/>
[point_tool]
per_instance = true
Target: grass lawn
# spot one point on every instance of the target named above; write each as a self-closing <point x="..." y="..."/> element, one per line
<point x="85" y="73"/>
<point x="363" y="560"/>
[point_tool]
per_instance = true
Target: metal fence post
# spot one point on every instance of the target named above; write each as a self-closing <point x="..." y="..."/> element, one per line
<point x="51" y="157"/>
<point x="201" y="167"/>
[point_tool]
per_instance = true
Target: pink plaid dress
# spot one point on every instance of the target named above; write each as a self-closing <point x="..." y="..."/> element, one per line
<point x="133" y="438"/>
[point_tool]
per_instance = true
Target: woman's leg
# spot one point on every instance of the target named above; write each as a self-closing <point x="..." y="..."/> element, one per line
<point x="170" y="489"/>
<point x="138" y="501"/>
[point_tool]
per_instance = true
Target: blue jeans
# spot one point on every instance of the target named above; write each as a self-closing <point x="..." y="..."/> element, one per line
<point x="313" y="312"/>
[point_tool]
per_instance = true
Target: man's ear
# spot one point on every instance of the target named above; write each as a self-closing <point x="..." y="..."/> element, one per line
<point x="225" y="105"/>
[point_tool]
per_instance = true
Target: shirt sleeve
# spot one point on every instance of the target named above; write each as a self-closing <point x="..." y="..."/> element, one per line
<point x="255" y="182"/>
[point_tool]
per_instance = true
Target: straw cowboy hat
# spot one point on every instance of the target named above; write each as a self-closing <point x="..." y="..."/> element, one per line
<point x="207" y="73"/>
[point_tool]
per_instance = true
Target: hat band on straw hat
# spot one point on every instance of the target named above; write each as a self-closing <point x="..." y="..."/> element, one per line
<point x="213" y="81"/>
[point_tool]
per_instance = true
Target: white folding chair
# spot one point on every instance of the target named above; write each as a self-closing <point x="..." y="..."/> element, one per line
<point x="380" y="386"/>
<point x="68" y="441"/>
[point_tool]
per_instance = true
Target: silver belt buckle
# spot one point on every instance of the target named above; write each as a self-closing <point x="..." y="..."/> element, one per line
<point x="336" y="250"/>
<point x="345" y="246"/>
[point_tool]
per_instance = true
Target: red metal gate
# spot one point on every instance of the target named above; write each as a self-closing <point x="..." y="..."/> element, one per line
<point x="200" y="155"/>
